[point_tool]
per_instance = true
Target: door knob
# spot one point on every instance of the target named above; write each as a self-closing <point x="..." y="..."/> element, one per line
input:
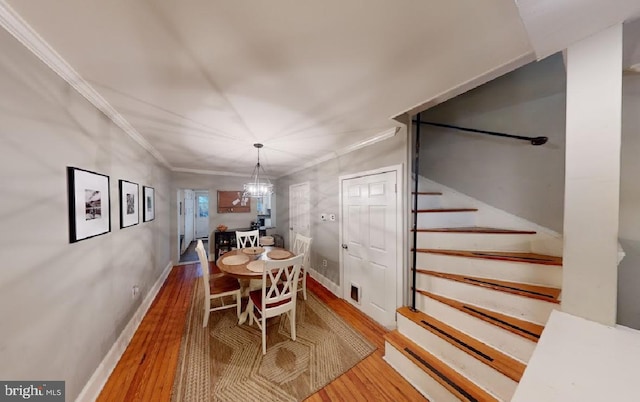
<point x="344" y="246"/>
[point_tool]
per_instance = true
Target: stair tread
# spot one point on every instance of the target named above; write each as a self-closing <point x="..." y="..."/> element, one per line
<point x="526" y="329"/>
<point x="538" y="292"/>
<point x="488" y="355"/>
<point x="427" y="192"/>
<point x="437" y="210"/>
<point x="532" y="258"/>
<point x="476" y="229"/>
<point x="456" y="383"/>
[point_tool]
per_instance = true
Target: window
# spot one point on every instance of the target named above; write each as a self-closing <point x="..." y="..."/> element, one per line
<point x="203" y="206"/>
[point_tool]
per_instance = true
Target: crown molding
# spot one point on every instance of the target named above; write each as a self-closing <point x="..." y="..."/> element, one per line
<point x="346" y="150"/>
<point x="209" y="172"/>
<point x="11" y="21"/>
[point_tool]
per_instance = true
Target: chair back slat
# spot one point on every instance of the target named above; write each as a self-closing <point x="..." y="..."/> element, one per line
<point x="280" y="284"/>
<point x="247" y="239"/>
<point x="204" y="264"/>
<point x="302" y="246"/>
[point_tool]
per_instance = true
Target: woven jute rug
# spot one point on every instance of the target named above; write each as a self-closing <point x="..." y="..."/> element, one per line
<point x="224" y="361"/>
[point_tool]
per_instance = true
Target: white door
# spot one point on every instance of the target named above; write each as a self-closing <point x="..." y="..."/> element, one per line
<point x="369" y="234"/>
<point x="299" y="207"/>
<point x="202" y="214"/>
<point x="189" y="208"/>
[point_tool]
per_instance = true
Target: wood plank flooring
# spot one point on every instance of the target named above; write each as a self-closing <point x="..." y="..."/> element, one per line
<point x="147" y="368"/>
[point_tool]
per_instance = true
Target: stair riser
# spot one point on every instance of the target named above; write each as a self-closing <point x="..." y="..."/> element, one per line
<point x="446" y="219"/>
<point x="535" y="274"/>
<point x="525" y="308"/>
<point x="423" y="382"/>
<point x="475" y="241"/>
<point x="483" y="375"/>
<point x="429" y="201"/>
<point x="507" y="342"/>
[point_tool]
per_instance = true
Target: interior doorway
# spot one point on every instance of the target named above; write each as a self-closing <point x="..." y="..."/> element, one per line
<point x="299" y="210"/>
<point x="193" y="222"/>
<point x="202" y="214"/>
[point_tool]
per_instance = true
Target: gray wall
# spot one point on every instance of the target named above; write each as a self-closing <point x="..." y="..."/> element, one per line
<point x="629" y="233"/>
<point x="512" y="175"/>
<point x="323" y="179"/>
<point x="62" y="305"/>
<point x="213" y="183"/>
<point x="529" y="181"/>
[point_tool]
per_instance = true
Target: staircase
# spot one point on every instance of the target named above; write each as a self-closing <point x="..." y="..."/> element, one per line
<point x="484" y="294"/>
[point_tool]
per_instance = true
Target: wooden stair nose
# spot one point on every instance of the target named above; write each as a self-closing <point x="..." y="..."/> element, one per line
<point x="492" y="357"/>
<point x="526" y="329"/>
<point x="476" y="229"/>
<point x="545" y="293"/>
<point x="531" y="258"/>
<point x="439" y="210"/>
<point x="453" y="381"/>
<point x="426" y="193"/>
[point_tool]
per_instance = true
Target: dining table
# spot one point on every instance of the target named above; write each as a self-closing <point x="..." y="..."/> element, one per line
<point x="247" y="264"/>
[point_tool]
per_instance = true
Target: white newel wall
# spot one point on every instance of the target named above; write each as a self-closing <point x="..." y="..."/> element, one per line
<point x="592" y="181"/>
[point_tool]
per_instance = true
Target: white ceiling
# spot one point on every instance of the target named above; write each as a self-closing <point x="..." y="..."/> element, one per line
<point x="202" y="80"/>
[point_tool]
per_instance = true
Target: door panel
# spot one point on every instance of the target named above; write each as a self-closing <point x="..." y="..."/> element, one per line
<point x="377" y="230"/>
<point x="299" y="209"/>
<point x="369" y="232"/>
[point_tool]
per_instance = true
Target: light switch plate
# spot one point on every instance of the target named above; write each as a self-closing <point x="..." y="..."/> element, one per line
<point x="323" y="217"/>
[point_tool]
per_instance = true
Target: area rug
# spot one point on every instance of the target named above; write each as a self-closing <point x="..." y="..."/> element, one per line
<point x="224" y="361"/>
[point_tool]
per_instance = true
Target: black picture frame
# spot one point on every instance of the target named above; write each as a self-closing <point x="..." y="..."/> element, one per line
<point x="129" y="203"/>
<point x="149" y="204"/>
<point x="89" y="201"/>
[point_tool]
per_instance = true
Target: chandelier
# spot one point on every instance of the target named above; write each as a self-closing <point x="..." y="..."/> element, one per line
<point x="260" y="185"/>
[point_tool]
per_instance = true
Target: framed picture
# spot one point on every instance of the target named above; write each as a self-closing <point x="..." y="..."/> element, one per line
<point x="129" y="201"/>
<point x="233" y="202"/>
<point x="89" y="204"/>
<point x="149" y="208"/>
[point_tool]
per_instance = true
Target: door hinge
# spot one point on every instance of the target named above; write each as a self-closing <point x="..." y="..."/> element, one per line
<point x="396" y="188"/>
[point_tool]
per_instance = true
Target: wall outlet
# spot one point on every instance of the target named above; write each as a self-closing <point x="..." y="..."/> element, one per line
<point x="332" y="217"/>
<point x="324" y="263"/>
<point x="135" y="290"/>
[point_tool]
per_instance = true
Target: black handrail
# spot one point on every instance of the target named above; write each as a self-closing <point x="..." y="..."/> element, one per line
<point x="532" y="140"/>
<point x="416" y="169"/>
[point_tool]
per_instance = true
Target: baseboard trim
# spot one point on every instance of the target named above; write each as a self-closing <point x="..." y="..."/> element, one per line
<point x="324" y="281"/>
<point x="94" y="386"/>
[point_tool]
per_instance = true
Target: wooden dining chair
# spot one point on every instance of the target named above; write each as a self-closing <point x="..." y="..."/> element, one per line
<point x="277" y="295"/>
<point x="219" y="287"/>
<point x="247" y="239"/>
<point x="302" y="246"/>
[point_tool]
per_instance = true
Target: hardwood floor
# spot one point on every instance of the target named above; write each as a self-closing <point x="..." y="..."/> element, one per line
<point x="146" y="370"/>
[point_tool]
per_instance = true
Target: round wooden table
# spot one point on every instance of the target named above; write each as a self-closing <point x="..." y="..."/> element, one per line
<point x="244" y="274"/>
<point x="241" y="271"/>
